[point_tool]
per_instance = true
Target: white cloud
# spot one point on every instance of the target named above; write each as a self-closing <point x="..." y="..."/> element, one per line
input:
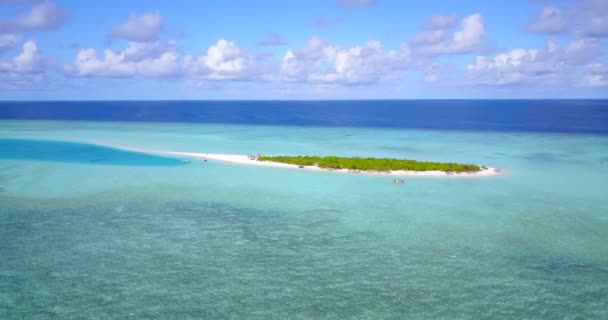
<point x="321" y="62"/>
<point x="548" y="66"/>
<point x="595" y="80"/>
<point x="156" y="59"/>
<point x="8" y="41"/>
<point x="298" y="65"/>
<point x="507" y="68"/>
<point x="167" y="64"/>
<point x="223" y="61"/>
<point x="224" y="56"/>
<point x="549" y="20"/>
<point x="147" y="50"/>
<point x="28" y="69"/>
<point x="581" y="50"/>
<point x="429" y="38"/>
<point x="44" y="15"/>
<point x="588" y="18"/>
<point x="145" y="27"/>
<point x="29" y="61"/>
<point x="442" y="22"/>
<point x="440" y="42"/>
<point x="596" y="75"/>
<point x="112" y="65"/>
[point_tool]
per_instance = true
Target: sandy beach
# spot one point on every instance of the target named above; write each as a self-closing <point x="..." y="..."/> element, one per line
<point x="245" y="160"/>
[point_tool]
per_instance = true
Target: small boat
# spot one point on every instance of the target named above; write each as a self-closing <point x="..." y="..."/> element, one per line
<point x="398" y="181"/>
<point x="186" y="161"/>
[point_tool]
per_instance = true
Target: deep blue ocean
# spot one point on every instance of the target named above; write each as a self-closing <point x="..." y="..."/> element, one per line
<point x="567" y="116"/>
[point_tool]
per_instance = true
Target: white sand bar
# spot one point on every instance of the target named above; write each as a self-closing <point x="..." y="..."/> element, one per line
<point x="246" y="160"/>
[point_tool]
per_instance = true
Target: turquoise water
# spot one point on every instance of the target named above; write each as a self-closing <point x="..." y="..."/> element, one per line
<point x="166" y="240"/>
<point x="61" y="151"/>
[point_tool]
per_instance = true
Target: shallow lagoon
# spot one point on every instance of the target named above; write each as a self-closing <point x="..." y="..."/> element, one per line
<point x="214" y="240"/>
<point x="73" y="152"/>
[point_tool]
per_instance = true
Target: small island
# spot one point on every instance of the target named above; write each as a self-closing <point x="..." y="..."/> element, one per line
<point x="356" y="165"/>
<point x="373" y="164"/>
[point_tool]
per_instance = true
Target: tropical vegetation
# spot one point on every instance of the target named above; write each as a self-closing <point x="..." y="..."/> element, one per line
<point x="372" y="164"/>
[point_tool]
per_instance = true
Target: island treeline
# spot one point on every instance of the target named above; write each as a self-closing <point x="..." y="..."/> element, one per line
<point x="372" y="164"/>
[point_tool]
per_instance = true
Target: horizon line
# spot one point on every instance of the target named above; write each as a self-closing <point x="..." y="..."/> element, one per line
<point x="304" y="100"/>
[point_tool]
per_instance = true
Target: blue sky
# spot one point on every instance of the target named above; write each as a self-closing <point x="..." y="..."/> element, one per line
<point x="332" y="49"/>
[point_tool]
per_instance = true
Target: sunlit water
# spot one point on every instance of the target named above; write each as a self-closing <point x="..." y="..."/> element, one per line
<point x="98" y="233"/>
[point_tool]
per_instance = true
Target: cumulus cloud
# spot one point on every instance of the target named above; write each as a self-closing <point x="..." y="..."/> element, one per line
<point x="42" y="16"/>
<point x="224" y="58"/>
<point x="441" y="40"/>
<point x="111" y="65"/>
<point x="442" y="22"/>
<point x="26" y="70"/>
<point x="222" y="61"/>
<point x="596" y="76"/>
<point x="549" y="20"/>
<point x="146" y="50"/>
<point x="158" y="59"/>
<point x="8" y="41"/>
<point x="145" y="27"/>
<point x="355" y="3"/>
<point x="298" y="65"/>
<point x="588" y="18"/>
<point x="29" y="61"/>
<point x="550" y="65"/>
<point x="29" y="67"/>
<point x="429" y="38"/>
<point x="321" y="62"/>
<point x="581" y="50"/>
